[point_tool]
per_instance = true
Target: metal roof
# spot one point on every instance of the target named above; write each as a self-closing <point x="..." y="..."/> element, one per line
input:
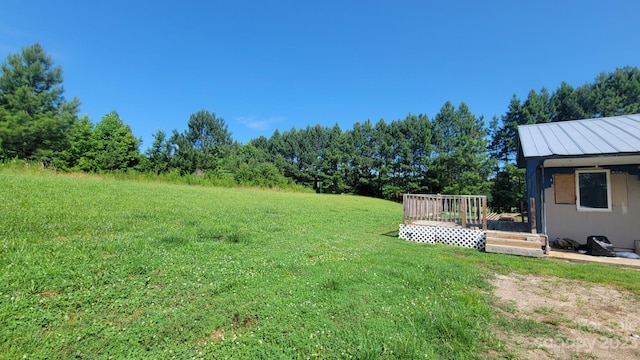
<point x="599" y="136"/>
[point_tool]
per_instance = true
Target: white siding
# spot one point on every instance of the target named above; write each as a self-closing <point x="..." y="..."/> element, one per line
<point x="620" y="225"/>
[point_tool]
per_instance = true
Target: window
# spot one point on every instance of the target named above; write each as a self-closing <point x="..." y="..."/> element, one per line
<point x="593" y="190"/>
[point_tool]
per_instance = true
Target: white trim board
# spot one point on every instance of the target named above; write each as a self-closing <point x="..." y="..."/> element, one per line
<point x="592" y="161"/>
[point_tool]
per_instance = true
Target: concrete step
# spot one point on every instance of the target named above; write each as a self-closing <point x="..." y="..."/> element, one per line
<point x="513" y="250"/>
<point x="515" y="243"/>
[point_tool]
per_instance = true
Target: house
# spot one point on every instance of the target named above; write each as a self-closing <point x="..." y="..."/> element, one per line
<point x="584" y="178"/>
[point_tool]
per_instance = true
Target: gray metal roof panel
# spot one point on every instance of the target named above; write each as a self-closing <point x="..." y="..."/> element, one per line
<point x="610" y="135"/>
<point x="561" y="143"/>
<point x="629" y="121"/>
<point x="539" y="143"/>
<point x="630" y="129"/>
<point x="624" y="143"/>
<point x="591" y="141"/>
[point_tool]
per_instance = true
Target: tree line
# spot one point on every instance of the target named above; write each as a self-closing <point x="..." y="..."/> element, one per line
<point x="455" y="152"/>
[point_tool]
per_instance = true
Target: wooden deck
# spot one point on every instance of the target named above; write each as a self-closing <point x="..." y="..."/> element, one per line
<point x="503" y="234"/>
<point x="468" y="211"/>
<point x="502" y="216"/>
<point x="458" y="209"/>
<point x="512" y="226"/>
<point x="503" y="237"/>
<point x="496" y="225"/>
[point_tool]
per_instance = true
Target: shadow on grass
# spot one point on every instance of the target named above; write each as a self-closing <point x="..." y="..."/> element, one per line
<point x="234" y="237"/>
<point x="174" y="240"/>
<point x="204" y="235"/>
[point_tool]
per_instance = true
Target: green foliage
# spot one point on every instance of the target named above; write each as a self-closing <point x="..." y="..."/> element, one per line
<point x="30" y="82"/>
<point x="159" y="154"/>
<point x="332" y="162"/>
<point x="114" y="145"/>
<point x="251" y="167"/>
<point x="361" y="174"/>
<point x="507" y="189"/>
<point x="34" y="115"/>
<point x="411" y="155"/>
<point x="617" y="93"/>
<point x="309" y="146"/>
<point x="384" y="160"/>
<point x="202" y="146"/>
<point x="537" y="108"/>
<point x="461" y="164"/>
<point x="80" y="154"/>
<point x="568" y="103"/>
<point x="504" y="139"/>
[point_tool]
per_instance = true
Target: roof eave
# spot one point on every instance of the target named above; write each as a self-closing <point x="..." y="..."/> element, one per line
<point x="587" y="160"/>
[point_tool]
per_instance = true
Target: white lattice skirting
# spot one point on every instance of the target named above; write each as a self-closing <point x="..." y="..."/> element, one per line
<point x="444" y="235"/>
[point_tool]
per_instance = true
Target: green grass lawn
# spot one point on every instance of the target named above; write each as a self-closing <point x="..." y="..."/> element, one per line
<point x="98" y="268"/>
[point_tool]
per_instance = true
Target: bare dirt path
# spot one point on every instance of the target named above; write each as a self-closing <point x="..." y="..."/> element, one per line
<point x="584" y="320"/>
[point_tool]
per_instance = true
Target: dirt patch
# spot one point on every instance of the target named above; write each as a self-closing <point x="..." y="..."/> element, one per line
<point x="243" y="321"/>
<point x="49" y="294"/>
<point x="214" y="336"/>
<point x="553" y="318"/>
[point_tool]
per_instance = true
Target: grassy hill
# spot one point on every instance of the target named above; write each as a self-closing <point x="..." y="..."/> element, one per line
<point x="98" y="268"/>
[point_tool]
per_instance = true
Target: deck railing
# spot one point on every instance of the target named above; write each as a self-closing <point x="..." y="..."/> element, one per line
<point x="461" y="209"/>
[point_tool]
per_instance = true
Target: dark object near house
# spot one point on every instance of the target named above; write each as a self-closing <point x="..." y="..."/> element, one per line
<point x="567" y="244"/>
<point x="570" y="244"/>
<point x="598" y="245"/>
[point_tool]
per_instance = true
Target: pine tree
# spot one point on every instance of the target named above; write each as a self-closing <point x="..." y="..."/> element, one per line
<point x="115" y="146"/>
<point x="462" y="165"/>
<point x="34" y="115"/>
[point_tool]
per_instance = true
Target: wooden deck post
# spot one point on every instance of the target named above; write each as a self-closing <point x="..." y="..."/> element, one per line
<point x="484" y="213"/>
<point x="405" y="207"/>
<point x="463" y="212"/>
<point x="532" y="215"/>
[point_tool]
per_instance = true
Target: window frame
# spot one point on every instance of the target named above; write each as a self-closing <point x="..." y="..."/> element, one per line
<point x="580" y="208"/>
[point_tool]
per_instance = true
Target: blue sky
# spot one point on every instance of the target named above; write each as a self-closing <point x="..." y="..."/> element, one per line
<point x="266" y="65"/>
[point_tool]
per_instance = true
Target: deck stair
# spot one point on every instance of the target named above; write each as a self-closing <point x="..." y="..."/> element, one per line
<point x="524" y="244"/>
